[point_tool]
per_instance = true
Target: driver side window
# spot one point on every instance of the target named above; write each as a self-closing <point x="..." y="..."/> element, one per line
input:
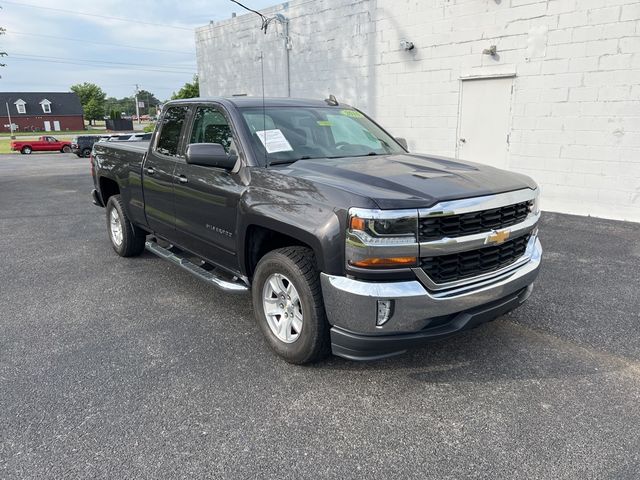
<point x="211" y="126"/>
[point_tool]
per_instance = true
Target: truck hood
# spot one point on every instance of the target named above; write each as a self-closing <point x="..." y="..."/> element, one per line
<point x="408" y="180"/>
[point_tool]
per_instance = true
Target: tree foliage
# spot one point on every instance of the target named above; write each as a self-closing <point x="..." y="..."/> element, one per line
<point x="92" y="98"/>
<point x="188" y="90"/>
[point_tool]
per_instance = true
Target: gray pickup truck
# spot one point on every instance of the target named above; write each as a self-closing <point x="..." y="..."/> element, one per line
<point x="349" y="243"/>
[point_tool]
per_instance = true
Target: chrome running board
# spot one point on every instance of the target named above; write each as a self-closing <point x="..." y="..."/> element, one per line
<point x="216" y="277"/>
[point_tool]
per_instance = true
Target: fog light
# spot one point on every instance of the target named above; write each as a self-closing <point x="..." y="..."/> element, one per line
<point x="385" y="310"/>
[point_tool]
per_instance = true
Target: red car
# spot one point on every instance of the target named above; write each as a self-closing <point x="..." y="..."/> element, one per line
<point x="43" y="144"/>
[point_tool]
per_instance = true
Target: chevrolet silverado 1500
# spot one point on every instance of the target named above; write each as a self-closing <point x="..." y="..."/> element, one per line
<point x="348" y="242"/>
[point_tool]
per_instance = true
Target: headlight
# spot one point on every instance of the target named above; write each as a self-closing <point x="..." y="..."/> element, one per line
<point x="382" y="238"/>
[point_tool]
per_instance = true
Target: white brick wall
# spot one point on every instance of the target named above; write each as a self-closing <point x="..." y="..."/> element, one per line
<point x="576" y="105"/>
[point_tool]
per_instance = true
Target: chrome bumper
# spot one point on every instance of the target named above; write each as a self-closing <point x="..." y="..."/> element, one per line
<point x="351" y="305"/>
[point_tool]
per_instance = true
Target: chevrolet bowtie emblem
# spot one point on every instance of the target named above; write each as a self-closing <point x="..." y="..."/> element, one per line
<point x="498" y="236"/>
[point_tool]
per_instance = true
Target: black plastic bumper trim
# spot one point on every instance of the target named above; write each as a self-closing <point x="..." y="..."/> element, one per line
<point x="374" y="347"/>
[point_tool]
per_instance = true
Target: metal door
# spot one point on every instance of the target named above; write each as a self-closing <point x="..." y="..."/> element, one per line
<point x="485" y="112"/>
<point x="158" y="172"/>
<point x="206" y="198"/>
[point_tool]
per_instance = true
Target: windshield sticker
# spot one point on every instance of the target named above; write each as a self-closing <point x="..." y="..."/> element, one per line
<point x="274" y="141"/>
<point x="324" y="123"/>
<point x="351" y="113"/>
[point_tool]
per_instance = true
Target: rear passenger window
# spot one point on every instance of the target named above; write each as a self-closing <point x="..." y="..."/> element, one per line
<point x="172" y="123"/>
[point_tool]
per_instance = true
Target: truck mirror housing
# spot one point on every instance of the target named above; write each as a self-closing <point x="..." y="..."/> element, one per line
<point x="403" y="142"/>
<point x="210" y="155"/>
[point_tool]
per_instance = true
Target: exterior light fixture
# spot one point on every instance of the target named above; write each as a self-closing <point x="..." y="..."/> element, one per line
<point x="407" y="45"/>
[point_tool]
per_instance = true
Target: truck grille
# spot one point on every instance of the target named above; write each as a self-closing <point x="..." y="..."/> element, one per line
<point x="458" y="266"/>
<point x="436" y="228"/>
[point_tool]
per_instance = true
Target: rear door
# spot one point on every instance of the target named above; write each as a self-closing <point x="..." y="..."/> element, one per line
<point x="206" y="198"/>
<point x="484" y="121"/>
<point x="158" y="171"/>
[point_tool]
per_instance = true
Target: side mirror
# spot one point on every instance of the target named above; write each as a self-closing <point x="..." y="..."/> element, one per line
<point x="403" y="142"/>
<point x="210" y="155"/>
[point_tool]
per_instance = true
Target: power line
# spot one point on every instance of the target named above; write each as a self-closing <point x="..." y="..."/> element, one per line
<point x="81" y="40"/>
<point x="84" y="14"/>
<point x="35" y="60"/>
<point x="90" y="60"/>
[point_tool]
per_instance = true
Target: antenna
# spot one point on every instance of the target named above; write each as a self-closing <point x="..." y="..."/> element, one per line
<point x="264" y="113"/>
<point x="332" y="100"/>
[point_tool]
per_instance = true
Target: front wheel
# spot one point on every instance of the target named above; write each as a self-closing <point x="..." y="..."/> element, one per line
<point x="126" y="239"/>
<point x="86" y="153"/>
<point x="287" y="301"/>
<point x="66" y="149"/>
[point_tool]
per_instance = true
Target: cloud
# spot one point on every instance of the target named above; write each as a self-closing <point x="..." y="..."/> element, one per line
<point x="31" y="73"/>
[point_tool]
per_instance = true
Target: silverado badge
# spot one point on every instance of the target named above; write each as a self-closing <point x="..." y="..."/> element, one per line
<point x="498" y="237"/>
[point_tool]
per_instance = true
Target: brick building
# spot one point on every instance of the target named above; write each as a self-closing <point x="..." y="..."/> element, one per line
<point x="41" y="111"/>
<point x="550" y="88"/>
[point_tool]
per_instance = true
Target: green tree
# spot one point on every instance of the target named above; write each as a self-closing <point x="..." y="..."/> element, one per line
<point x="188" y="90"/>
<point x="92" y="98"/>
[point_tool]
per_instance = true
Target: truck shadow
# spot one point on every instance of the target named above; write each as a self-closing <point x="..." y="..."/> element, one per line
<point x="499" y="351"/>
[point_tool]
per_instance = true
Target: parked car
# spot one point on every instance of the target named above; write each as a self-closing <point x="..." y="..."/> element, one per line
<point x="46" y="143"/>
<point x="82" y="145"/>
<point x="348" y="242"/>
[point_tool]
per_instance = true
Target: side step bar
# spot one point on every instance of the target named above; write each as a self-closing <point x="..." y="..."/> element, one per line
<point x="232" y="284"/>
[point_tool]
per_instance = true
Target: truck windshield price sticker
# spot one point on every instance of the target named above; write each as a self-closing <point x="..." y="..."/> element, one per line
<point x="351" y="113"/>
<point x="274" y="141"/>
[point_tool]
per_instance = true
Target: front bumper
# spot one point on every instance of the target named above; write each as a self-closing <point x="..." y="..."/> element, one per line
<point x="419" y="314"/>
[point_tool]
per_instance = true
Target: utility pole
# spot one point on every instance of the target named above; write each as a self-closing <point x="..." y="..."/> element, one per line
<point x="137" y="106"/>
<point x="10" y="122"/>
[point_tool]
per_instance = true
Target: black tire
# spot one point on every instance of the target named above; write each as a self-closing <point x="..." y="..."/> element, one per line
<point x="133" y="238"/>
<point x="299" y="266"/>
<point x="86" y="153"/>
<point x="66" y="149"/>
<point x="26" y="150"/>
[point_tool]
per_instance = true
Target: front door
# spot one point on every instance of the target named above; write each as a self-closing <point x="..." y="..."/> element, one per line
<point x="206" y="198"/>
<point x="483" y="135"/>
<point x="47" y="126"/>
<point x="158" y="172"/>
<point x="56" y="125"/>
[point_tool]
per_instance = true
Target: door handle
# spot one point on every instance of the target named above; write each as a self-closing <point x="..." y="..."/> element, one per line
<point x="150" y="170"/>
<point x="463" y="140"/>
<point x="182" y="179"/>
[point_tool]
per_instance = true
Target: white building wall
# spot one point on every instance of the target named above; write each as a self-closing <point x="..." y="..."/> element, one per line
<point x="575" y="125"/>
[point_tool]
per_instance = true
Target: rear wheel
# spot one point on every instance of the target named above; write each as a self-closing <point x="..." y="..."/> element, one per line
<point x="86" y="152"/>
<point x="126" y="239"/>
<point x="288" y="305"/>
<point x="66" y="149"/>
<point x="26" y="151"/>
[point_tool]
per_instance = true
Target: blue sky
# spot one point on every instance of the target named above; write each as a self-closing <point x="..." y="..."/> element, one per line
<point x="53" y="45"/>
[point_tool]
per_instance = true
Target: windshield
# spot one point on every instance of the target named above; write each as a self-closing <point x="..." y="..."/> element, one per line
<point x="288" y="134"/>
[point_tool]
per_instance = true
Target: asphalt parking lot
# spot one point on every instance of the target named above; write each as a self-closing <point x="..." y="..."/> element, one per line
<point x="131" y="368"/>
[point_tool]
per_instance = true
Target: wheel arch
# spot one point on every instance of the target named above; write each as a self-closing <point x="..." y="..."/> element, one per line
<point x="108" y="188"/>
<point x="259" y="239"/>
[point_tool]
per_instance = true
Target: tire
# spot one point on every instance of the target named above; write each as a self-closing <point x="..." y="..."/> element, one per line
<point x="26" y="150"/>
<point x="66" y="149"/>
<point x="296" y="266"/>
<point x="131" y="238"/>
<point x="86" y="153"/>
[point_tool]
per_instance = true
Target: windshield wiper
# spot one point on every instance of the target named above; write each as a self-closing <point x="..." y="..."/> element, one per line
<point x="291" y="160"/>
